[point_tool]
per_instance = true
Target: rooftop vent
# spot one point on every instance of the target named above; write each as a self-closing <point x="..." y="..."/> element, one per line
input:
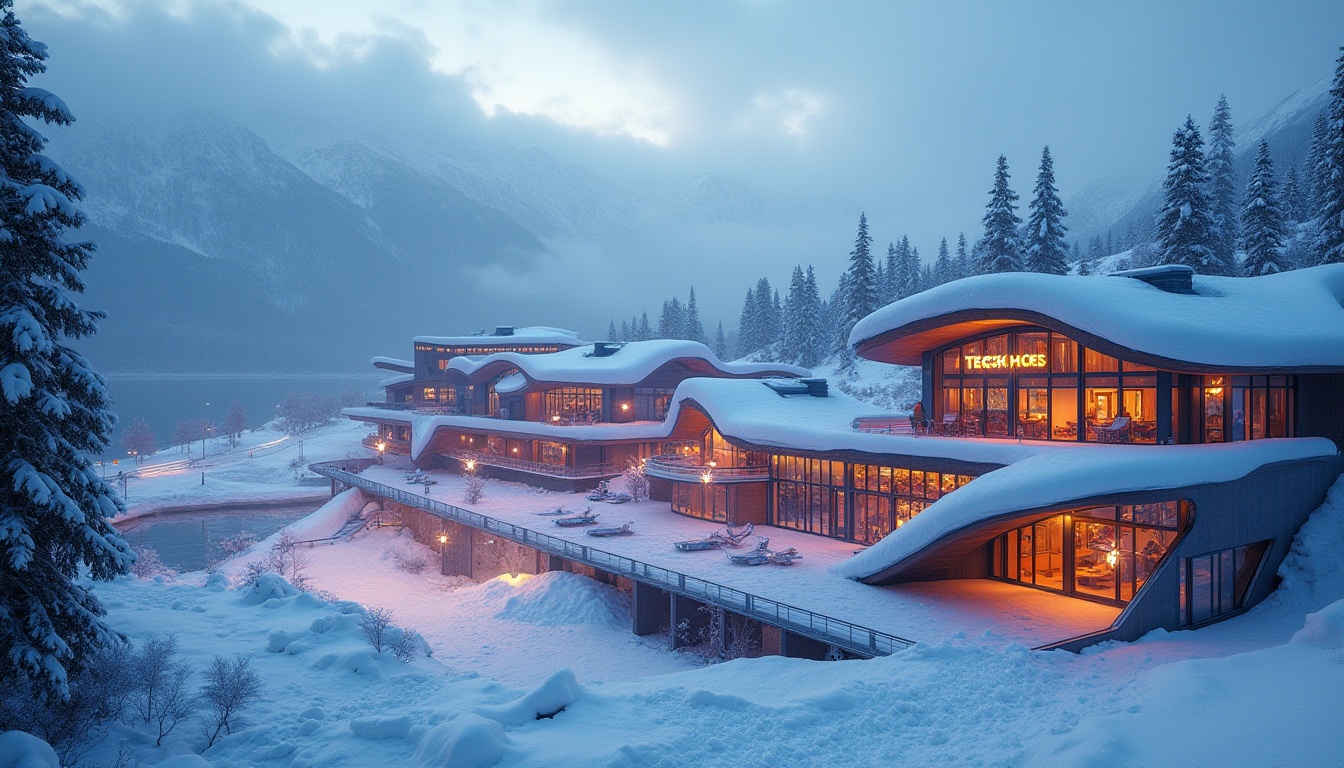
<point x="1172" y="278"/>
<point x="786" y="387"/>
<point x="605" y="348"/>
<point x="503" y="330"/>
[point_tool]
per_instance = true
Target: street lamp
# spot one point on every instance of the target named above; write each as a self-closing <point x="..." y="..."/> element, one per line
<point x="381" y="446"/>
<point x="443" y="553"/>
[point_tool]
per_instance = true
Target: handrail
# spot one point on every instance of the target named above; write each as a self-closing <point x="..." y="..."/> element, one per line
<point x="886" y="425"/>
<point x="535" y="467"/>
<point x="801" y="621"/>
<point x="678" y="468"/>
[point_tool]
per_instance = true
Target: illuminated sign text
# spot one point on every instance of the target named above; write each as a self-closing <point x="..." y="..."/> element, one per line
<point x="999" y="362"/>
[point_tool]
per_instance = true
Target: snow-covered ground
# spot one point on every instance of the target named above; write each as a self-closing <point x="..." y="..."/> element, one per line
<point x="257" y="470"/>
<point x="1263" y="688"/>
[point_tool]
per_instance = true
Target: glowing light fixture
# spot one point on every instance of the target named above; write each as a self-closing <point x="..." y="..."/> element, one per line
<point x="707" y="476"/>
<point x="1112" y="558"/>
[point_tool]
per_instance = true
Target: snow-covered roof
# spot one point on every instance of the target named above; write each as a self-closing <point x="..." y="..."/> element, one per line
<point x="392" y="364"/>
<point x="1291" y="320"/>
<point x="395" y="380"/>
<point x="627" y="364"/>
<point x="532" y="334"/>
<point x="1055" y="477"/>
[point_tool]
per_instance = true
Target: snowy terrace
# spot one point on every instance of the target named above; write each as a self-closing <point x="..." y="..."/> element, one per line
<point x="806" y="597"/>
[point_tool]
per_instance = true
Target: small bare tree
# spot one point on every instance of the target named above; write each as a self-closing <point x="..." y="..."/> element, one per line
<point x="474" y="490"/>
<point x="161" y="695"/>
<point x="139" y="438"/>
<point x="235" y="421"/>
<point x="404" y="644"/>
<point x="288" y="559"/>
<point x="374" y="624"/>
<point x="231" y="685"/>
<point x="223" y="549"/>
<point x="636" y="482"/>
<point x="148" y="564"/>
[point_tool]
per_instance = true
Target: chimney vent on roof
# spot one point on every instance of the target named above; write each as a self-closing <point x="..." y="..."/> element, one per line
<point x="503" y="330"/>
<point x="815" y="387"/>
<point x="605" y="348"/>
<point x="1172" y="278"/>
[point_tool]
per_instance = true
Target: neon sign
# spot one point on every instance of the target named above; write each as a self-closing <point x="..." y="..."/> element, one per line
<point x="999" y="362"/>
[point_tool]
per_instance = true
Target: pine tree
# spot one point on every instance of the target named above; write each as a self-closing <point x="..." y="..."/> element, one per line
<point x="720" y="343"/>
<point x="625" y="330"/>
<point x="1046" y="250"/>
<point x="911" y="269"/>
<point x="943" y="268"/>
<point x="775" y="320"/>
<point x="890" y="288"/>
<point x="748" y="326"/>
<point x="1084" y="263"/>
<point x="792" y="347"/>
<point x="692" y="328"/>
<point x="54" y="410"/>
<point x="645" y="332"/>
<point x="1001" y="247"/>
<point x="862" y="298"/>
<point x="1223" y="203"/>
<point x="1291" y="196"/>
<point x="963" y="257"/>
<point x="611" y="331"/>
<point x="1331" y="237"/>
<point x="1183" y="224"/>
<point x="1262" y="219"/>
<point x="812" y="317"/>
<point x="671" y="323"/>
<point x="1318" y="170"/>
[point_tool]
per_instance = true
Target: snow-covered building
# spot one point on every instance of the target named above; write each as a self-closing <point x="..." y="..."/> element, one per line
<point x="1149" y="441"/>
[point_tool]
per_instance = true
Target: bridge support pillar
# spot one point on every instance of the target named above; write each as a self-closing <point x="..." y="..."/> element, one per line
<point x="651" y="610"/>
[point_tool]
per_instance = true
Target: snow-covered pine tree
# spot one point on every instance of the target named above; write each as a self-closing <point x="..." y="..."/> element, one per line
<point x="963" y="257"/>
<point x="927" y="279"/>
<point x="890" y="288"/>
<point x="1001" y="248"/>
<point x="645" y="332"/>
<point x="1262" y="232"/>
<point x="1317" y="170"/>
<point x="692" y="328"/>
<point x="1331" y="237"/>
<point x="812" y="317"/>
<point x="862" y="298"/>
<point x="671" y="322"/>
<point x="54" y="409"/>
<point x="792" y="347"/>
<point x="611" y="331"/>
<point x="748" y="326"/>
<point x="625" y="330"/>
<point x="776" y="328"/>
<point x="1223" y="202"/>
<point x="1183" y="225"/>
<point x="1290" y="194"/>
<point x="879" y="282"/>
<point x="943" y="267"/>
<point x="720" y="343"/>
<point x="910" y="268"/>
<point x="1046" y="249"/>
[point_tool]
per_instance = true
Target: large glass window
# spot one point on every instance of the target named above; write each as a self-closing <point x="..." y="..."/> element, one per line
<point x="569" y="405"/>
<point x="1215" y="584"/>
<point x="708" y="501"/>
<point x="1103" y="553"/>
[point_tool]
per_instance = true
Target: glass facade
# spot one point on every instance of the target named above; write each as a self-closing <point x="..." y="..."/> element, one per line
<point x="572" y="404"/>
<point x="1042" y="385"/>
<point x="1102" y="553"/>
<point x="1215" y="584"/>
<point x="707" y="501"/>
<point x="858" y="502"/>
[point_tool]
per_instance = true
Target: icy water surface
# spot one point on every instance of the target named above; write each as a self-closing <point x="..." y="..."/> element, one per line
<point x="182" y="539"/>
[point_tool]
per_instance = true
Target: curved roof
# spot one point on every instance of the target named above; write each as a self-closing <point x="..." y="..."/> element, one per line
<point x="533" y="334"/>
<point x="1069" y="473"/>
<point x="392" y="364"/>
<point x="1288" y="321"/>
<point x="629" y="364"/>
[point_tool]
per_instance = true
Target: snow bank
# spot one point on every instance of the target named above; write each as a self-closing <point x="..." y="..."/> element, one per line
<point x="24" y="750"/>
<point x="466" y="741"/>
<point x="546" y="700"/>
<point x="1324" y="628"/>
<point x="1313" y="565"/>
<point x="329" y="518"/>
<point x="555" y="598"/>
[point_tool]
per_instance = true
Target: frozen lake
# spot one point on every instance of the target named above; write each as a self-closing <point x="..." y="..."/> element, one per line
<point x="182" y="539"/>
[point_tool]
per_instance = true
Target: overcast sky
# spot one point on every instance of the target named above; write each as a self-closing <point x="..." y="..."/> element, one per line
<point x="899" y="109"/>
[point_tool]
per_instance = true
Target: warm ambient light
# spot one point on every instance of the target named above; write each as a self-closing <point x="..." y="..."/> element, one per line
<point x="1112" y="558"/>
<point x="556" y="417"/>
<point x="515" y="450"/>
<point x="625" y="406"/>
<point x="996" y="362"/>
<point x="707" y="477"/>
<point x="443" y="538"/>
<point x="471" y="465"/>
<point x="381" y="446"/>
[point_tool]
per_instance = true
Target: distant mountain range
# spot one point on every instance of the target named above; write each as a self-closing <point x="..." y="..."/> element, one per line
<point x="221" y="250"/>
<point x="1117" y="204"/>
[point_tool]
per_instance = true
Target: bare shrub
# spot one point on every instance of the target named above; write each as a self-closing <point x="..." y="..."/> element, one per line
<point x="474" y="489"/>
<point x="374" y="624"/>
<point x="98" y="695"/>
<point x="226" y="548"/>
<point x="636" y="482"/>
<point x="288" y="558"/>
<point x="410" y="559"/>
<point x="404" y="644"/>
<point x="253" y="571"/>
<point x="231" y="685"/>
<point x="160" y="696"/>
<point x="148" y="564"/>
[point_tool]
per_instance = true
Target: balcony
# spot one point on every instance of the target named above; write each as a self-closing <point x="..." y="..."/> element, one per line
<point x="400" y="447"/>
<point x="587" y="471"/>
<point x="884" y="425"/>
<point x="691" y="471"/>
